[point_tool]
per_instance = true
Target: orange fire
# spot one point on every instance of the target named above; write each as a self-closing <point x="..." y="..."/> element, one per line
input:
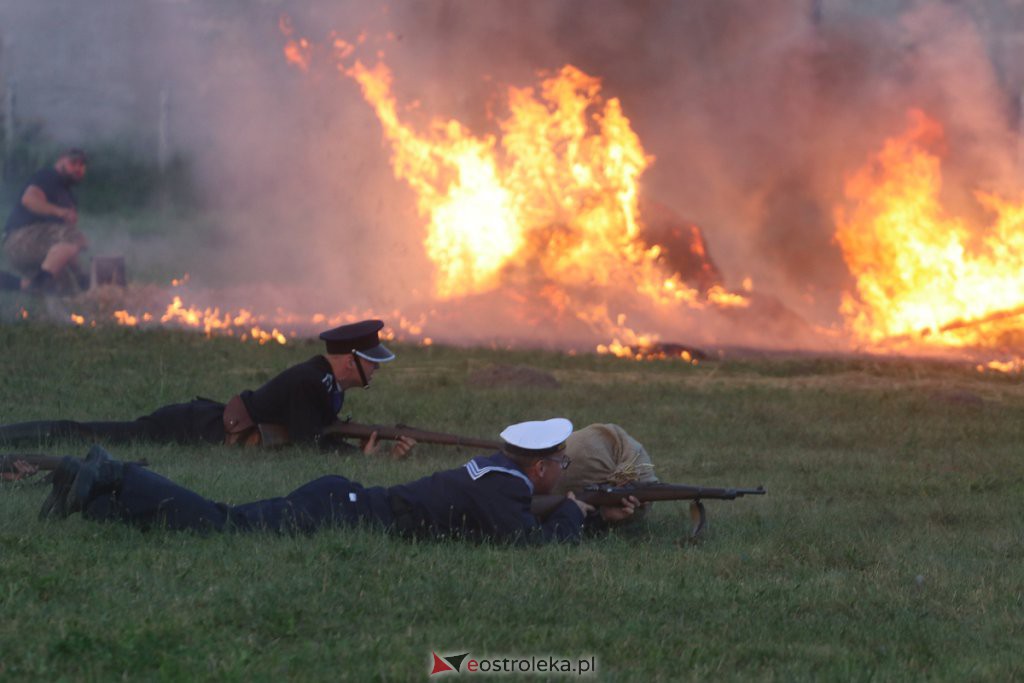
<point x="925" y="277"/>
<point x="212" y="320"/>
<point x="249" y="326"/>
<point x="557" y="192"/>
<point x="297" y="51"/>
<point x="551" y="201"/>
<point x="545" y="207"/>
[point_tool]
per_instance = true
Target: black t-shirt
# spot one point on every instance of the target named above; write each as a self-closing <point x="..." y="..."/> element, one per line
<point x="305" y="397"/>
<point x="57" y="189"/>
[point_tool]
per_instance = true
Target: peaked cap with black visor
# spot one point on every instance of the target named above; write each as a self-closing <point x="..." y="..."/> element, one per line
<point x="362" y="340"/>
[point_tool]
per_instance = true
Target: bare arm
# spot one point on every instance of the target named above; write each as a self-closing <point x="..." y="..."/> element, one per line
<point x="399" y="449"/>
<point x="609" y="513"/>
<point x="34" y="199"/>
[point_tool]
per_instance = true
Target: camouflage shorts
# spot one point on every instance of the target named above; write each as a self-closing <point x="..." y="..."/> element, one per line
<point x="26" y="247"/>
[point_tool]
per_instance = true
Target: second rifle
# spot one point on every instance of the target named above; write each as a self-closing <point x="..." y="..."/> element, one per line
<point x="277" y="435"/>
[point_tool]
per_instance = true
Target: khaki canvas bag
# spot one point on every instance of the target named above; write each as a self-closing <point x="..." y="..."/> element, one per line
<point x="605" y="454"/>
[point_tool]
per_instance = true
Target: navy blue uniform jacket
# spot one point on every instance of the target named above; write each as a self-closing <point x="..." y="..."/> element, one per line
<point x="487" y="498"/>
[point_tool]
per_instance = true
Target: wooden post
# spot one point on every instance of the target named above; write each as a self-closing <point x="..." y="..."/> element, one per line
<point x="163" y="148"/>
<point x="9" y="129"/>
<point x="162" y="145"/>
<point x="7" y="87"/>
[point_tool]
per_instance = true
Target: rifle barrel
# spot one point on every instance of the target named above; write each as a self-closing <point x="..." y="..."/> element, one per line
<point x="599" y="495"/>
<point x="362" y="431"/>
<point x="759" y="491"/>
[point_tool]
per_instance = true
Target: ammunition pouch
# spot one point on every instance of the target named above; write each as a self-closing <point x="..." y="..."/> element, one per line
<point x="239" y="427"/>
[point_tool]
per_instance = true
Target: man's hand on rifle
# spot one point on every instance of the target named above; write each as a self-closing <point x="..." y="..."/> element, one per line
<point x="399" y="448"/>
<point x="22" y="469"/>
<point x="619" y="514"/>
<point x="629" y="506"/>
<point x="585" y="508"/>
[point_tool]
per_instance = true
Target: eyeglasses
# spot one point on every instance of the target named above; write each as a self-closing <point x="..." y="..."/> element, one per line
<point x="563" y="460"/>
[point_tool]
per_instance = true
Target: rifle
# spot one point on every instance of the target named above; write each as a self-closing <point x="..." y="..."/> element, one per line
<point x="277" y="435"/>
<point x="42" y="462"/>
<point x="39" y="461"/>
<point x="606" y="494"/>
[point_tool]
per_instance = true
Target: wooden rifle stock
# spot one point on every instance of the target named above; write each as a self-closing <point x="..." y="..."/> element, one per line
<point x="38" y="460"/>
<point x="607" y="495"/>
<point x="277" y="435"/>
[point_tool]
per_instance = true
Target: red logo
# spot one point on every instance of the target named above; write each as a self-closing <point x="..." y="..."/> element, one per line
<point x="449" y="663"/>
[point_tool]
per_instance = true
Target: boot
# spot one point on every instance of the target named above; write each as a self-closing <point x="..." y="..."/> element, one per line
<point x="43" y="283"/>
<point x="76" y="482"/>
<point x="62" y="480"/>
<point x="99" y="474"/>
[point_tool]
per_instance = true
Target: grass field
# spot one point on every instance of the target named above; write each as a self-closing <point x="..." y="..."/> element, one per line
<point x="889" y="546"/>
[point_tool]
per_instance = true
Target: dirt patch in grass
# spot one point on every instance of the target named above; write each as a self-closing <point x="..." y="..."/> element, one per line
<point x="494" y="376"/>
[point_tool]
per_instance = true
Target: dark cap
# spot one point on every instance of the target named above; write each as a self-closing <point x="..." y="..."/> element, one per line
<point x="537" y="439"/>
<point x="360" y="338"/>
<point x="76" y="154"/>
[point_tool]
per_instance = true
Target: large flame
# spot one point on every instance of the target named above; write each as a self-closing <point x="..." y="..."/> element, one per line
<point x="923" y="276"/>
<point x="545" y="206"/>
<point x="557" y="193"/>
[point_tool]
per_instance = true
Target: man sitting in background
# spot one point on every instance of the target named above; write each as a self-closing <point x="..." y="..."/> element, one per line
<point x="41" y="237"/>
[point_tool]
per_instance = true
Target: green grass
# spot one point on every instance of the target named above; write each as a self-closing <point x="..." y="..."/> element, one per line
<point x="889" y="546"/>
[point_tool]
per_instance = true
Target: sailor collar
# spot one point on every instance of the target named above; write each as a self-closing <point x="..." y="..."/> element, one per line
<point x="481" y="465"/>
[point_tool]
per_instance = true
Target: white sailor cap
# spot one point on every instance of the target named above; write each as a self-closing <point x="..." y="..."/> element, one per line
<point x="538" y="438"/>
